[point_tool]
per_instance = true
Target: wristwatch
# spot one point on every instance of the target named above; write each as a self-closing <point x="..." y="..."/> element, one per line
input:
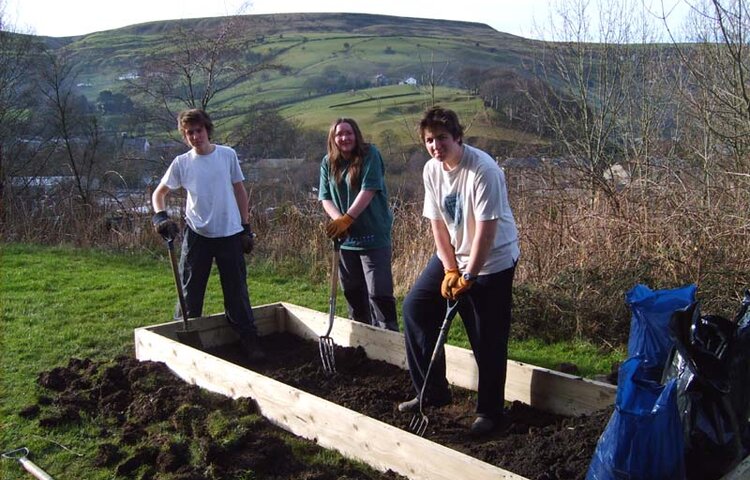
<point x="470" y="277"/>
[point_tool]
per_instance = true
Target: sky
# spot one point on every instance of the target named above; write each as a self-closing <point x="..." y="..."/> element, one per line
<point x="60" y="18"/>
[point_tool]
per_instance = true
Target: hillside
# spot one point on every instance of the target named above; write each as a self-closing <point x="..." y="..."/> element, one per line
<point x="318" y="54"/>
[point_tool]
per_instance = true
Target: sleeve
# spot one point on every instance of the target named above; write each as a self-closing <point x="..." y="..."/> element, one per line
<point x="488" y="188"/>
<point x="172" y="178"/>
<point x="373" y="171"/>
<point x="235" y="169"/>
<point x="324" y="188"/>
<point x="431" y="207"/>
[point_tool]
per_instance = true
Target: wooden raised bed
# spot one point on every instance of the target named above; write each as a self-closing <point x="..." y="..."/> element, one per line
<point x="351" y="433"/>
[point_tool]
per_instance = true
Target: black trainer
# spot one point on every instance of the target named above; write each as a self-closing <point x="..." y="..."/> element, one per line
<point x="483" y="425"/>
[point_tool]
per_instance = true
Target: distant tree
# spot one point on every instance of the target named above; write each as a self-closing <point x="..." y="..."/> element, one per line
<point x="470" y="78"/>
<point x="72" y="125"/>
<point x="388" y="140"/>
<point x="434" y="73"/>
<point x="716" y="90"/>
<point x="264" y="133"/>
<point x="19" y="55"/>
<point x="505" y="91"/>
<point x="588" y="76"/>
<point x="113" y="103"/>
<point x="196" y="67"/>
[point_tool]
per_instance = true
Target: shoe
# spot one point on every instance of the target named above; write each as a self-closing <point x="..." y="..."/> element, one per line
<point x="409" y="405"/>
<point x="413" y="404"/>
<point x="252" y="349"/>
<point x="482" y="426"/>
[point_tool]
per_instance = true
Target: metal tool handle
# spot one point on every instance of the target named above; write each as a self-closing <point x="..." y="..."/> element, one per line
<point x="334" y="286"/>
<point x="178" y="282"/>
<point x="34" y="469"/>
<point x="31" y="467"/>
<point x="452" y="309"/>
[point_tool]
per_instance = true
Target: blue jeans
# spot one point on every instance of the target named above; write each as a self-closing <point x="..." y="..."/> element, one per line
<point x="196" y="259"/>
<point x="486" y="312"/>
<point x="367" y="282"/>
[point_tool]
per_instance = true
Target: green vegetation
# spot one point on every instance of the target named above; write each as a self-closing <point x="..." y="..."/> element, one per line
<point x="62" y="302"/>
<point x="319" y="61"/>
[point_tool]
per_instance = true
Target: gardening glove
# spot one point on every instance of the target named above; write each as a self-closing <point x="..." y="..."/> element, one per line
<point x="462" y="286"/>
<point x="247" y="238"/>
<point x="164" y="226"/>
<point x="449" y="280"/>
<point x="337" y="228"/>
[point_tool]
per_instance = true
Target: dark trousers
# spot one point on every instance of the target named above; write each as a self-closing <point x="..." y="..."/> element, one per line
<point x="367" y="282"/>
<point x="486" y="312"/>
<point x="196" y="260"/>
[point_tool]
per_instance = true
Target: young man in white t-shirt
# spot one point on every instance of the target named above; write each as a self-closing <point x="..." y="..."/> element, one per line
<point x="217" y="226"/>
<point x="477" y="247"/>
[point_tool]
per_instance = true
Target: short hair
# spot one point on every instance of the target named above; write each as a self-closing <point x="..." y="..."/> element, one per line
<point x="195" y="116"/>
<point x="439" y="117"/>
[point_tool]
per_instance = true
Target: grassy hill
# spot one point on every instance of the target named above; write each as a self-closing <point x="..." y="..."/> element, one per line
<point x="364" y="50"/>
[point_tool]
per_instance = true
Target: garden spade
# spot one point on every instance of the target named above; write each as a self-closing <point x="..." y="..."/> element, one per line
<point x="184" y="335"/>
<point x="325" y="342"/>
<point x="419" y="421"/>
<point x="21" y="454"/>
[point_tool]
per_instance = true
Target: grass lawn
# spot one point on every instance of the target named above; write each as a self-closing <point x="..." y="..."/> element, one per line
<point x="62" y="302"/>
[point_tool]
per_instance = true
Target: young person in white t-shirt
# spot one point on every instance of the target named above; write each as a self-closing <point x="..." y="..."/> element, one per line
<point x="217" y="226"/>
<point x="476" y="240"/>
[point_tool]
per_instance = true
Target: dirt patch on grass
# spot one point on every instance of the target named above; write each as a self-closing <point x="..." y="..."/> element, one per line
<point x="154" y="425"/>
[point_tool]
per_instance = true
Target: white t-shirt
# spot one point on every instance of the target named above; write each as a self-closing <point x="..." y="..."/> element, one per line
<point x="211" y="209"/>
<point x="473" y="191"/>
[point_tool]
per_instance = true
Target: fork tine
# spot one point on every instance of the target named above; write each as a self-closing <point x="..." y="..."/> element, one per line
<point x="327" y="356"/>
<point x="423" y="427"/>
<point x="418" y="424"/>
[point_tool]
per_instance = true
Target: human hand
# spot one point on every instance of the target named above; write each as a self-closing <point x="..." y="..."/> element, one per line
<point x="337" y="228"/>
<point x="452" y="276"/>
<point x="462" y="286"/>
<point x="164" y="226"/>
<point x="247" y="239"/>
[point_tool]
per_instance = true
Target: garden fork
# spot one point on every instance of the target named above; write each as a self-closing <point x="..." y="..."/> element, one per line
<point x="419" y="421"/>
<point x="325" y="342"/>
<point x="21" y="454"/>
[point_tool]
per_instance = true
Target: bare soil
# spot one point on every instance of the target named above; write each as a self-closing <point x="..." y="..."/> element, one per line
<point x="154" y="425"/>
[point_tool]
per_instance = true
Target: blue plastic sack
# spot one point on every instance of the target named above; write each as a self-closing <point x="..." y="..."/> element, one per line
<point x="649" y="326"/>
<point x="643" y="439"/>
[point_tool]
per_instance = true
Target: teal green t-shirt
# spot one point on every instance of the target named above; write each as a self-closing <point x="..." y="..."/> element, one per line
<point x="372" y="229"/>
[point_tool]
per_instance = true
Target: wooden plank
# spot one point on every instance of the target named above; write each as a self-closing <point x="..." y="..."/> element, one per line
<point x="214" y="330"/>
<point x="539" y="387"/>
<point x="740" y="472"/>
<point x="330" y="425"/>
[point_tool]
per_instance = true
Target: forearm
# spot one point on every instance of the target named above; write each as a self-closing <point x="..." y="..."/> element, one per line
<point x="481" y="246"/>
<point x="363" y="199"/>
<point x="159" y="198"/>
<point x="240" y="195"/>
<point x="445" y="250"/>
<point x="355" y="209"/>
<point x="331" y="209"/>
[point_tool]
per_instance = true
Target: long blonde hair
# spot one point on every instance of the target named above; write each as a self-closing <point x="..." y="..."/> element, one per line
<point x="336" y="159"/>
